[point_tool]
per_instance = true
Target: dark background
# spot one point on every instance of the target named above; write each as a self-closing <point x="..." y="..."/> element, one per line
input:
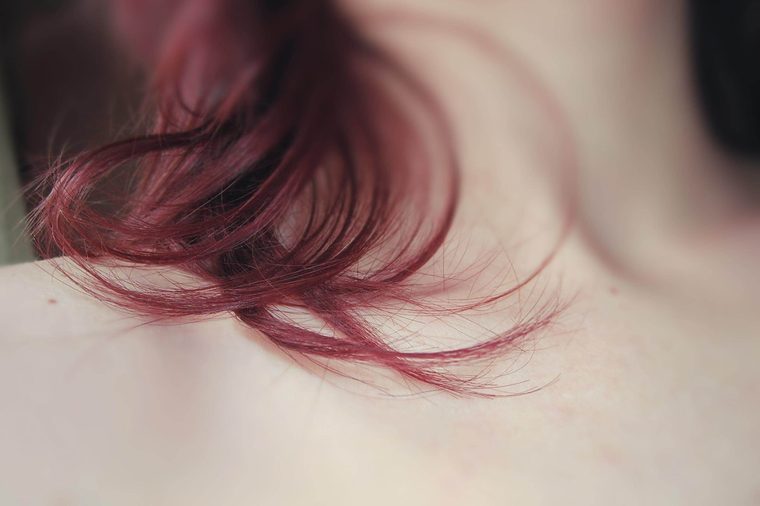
<point x="68" y="85"/>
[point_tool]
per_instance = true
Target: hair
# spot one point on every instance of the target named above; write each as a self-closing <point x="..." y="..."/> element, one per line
<point x="290" y="163"/>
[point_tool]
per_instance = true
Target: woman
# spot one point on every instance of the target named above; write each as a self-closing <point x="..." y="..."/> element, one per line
<point x="244" y="320"/>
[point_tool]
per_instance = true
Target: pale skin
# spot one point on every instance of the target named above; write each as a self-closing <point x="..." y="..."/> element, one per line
<point x="655" y="379"/>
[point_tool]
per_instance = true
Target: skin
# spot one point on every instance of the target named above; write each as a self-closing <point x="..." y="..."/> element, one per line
<point x="650" y="379"/>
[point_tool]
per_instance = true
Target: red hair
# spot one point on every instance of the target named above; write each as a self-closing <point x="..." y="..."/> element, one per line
<point x="285" y="168"/>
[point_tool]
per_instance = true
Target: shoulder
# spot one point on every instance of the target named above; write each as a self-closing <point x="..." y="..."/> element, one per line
<point x="43" y="277"/>
<point x="42" y="300"/>
<point x="101" y="406"/>
<point x="44" y="312"/>
<point x="97" y="402"/>
<point x="37" y="300"/>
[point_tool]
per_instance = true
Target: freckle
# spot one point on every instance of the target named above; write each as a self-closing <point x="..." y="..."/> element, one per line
<point x="52" y="301"/>
<point x="614" y="290"/>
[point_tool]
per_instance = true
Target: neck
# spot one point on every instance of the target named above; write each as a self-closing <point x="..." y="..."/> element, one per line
<point x="649" y="180"/>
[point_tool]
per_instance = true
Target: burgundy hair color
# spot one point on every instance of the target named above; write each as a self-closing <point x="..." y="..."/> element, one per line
<point x="285" y="168"/>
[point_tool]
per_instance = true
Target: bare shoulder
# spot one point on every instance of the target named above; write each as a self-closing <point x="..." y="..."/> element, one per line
<point x="36" y="280"/>
<point x="38" y="301"/>
<point x="42" y="301"/>
<point x="49" y="323"/>
<point x="100" y="406"/>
